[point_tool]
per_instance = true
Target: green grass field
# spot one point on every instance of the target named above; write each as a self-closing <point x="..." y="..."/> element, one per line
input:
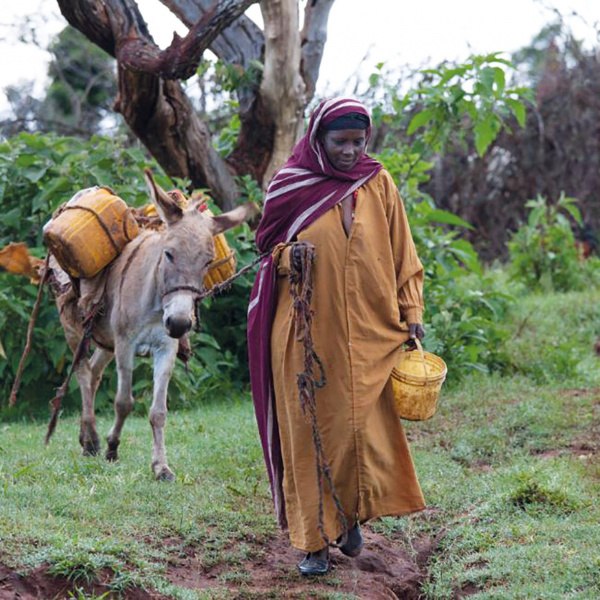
<point x="510" y="467"/>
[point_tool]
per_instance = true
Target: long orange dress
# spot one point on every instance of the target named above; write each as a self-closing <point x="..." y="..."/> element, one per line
<point x="367" y="287"/>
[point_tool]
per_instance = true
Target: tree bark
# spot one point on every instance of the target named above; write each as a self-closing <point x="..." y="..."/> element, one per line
<point x="314" y="36"/>
<point x="156" y="110"/>
<point x="282" y="88"/>
<point x="180" y="60"/>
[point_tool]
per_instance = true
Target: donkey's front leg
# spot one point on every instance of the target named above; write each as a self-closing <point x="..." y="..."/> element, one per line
<point x="123" y="399"/>
<point x="164" y="360"/>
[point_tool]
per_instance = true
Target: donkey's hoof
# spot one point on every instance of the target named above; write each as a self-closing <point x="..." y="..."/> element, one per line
<point x="90" y="444"/>
<point x="165" y="474"/>
<point x="90" y="448"/>
<point x="112" y="453"/>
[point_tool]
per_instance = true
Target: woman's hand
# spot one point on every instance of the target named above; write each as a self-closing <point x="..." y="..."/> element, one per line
<point x="416" y="331"/>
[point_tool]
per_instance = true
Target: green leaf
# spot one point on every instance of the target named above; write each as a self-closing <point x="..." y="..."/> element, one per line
<point x="420" y="119"/>
<point x="34" y="174"/>
<point x="499" y="79"/>
<point x="374" y="79"/>
<point x="26" y="160"/>
<point x="443" y="216"/>
<point x="518" y="109"/>
<point x="488" y="76"/>
<point x="484" y="135"/>
<point x="574" y="212"/>
<point x="12" y="218"/>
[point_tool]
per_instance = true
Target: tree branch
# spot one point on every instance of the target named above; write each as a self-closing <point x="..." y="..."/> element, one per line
<point x="240" y="43"/>
<point x="180" y="60"/>
<point x="157" y="111"/>
<point x="314" y="36"/>
<point x="282" y="89"/>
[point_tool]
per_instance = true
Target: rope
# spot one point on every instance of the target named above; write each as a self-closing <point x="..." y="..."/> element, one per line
<point x="221" y="287"/>
<point x="27" y="350"/>
<point x="313" y="376"/>
<point x="218" y="263"/>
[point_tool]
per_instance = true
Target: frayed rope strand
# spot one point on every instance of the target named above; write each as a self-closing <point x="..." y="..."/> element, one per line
<point x="302" y="258"/>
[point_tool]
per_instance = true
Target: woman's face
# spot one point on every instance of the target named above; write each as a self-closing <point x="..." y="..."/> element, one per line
<point x="344" y="147"/>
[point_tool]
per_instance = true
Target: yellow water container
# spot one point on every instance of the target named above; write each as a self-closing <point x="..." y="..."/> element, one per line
<point x="417" y="381"/>
<point x="90" y="231"/>
<point x="223" y="266"/>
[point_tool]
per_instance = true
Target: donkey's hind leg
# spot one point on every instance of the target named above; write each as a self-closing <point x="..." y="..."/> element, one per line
<point x="88" y="437"/>
<point x="123" y="399"/>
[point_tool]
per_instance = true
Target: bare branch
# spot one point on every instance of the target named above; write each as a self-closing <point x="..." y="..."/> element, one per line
<point x="180" y="60"/>
<point x="314" y="36"/>
<point x="157" y="111"/>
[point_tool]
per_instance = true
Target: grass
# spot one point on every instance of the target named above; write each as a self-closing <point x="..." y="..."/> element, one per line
<point x="510" y="467"/>
<point x="84" y="515"/>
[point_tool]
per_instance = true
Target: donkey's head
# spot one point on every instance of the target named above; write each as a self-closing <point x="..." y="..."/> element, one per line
<point x="187" y="251"/>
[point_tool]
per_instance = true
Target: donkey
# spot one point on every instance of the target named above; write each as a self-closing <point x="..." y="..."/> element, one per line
<point x="149" y="296"/>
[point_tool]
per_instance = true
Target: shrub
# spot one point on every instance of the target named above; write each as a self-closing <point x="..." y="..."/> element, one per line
<point x="543" y="255"/>
<point x="463" y="103"/>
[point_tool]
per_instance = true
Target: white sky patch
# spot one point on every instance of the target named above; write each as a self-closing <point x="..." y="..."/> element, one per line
<point x="390" y="31"/>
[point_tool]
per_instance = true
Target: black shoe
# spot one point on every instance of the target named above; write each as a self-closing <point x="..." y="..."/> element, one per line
<point x="315" y="563"/>
<point x="354" y="543"/>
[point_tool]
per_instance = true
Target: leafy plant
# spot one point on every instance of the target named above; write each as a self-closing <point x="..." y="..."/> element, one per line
<point x="543" y="254"/>
<point x="462" y="103"/>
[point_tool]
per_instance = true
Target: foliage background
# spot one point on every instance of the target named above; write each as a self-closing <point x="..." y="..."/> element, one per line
<point x="461" y="109"/>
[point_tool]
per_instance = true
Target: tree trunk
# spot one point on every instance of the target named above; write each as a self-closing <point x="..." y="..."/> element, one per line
<point x="156" y="108"/>
<point x="282" y="88"/>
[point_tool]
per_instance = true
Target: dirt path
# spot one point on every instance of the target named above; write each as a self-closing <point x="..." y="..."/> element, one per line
<point x="382" y="572"/>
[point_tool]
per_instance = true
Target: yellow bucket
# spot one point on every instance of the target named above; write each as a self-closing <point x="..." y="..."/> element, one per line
<point x="90" y="231"/>
<point x="223" y="266"/>
<point x="417" y="380"/>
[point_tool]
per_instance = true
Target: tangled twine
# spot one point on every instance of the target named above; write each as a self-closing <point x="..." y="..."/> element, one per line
<point x="302" y="258"/>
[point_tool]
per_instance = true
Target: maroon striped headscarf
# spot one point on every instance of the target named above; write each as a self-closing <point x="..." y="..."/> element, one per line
<point x="303" y="190"/>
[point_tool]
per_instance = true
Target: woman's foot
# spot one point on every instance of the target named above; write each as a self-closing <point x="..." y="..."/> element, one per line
<point x="315" y="563"/>
<point x="354" y="544"/>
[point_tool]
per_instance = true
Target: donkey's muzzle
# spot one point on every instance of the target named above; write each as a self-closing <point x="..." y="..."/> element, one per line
<point x="178" y="326"/>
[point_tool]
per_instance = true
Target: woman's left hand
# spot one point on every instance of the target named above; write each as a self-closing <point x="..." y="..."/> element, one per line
<point x="416" y="331"/>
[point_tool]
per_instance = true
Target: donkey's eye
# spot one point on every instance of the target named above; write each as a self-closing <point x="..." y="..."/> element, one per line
<point x="169" y="256"/>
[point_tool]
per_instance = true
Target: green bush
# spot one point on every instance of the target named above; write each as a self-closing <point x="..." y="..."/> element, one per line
<point x="543" y="255"/>
<point x="466" y="103"/>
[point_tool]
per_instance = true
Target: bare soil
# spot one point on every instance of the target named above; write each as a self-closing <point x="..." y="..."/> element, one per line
<point x="383" y="571"/>
<point x="41" y="585"/>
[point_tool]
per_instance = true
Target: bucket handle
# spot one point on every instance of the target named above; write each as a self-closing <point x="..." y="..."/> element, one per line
<point x="422" y="353"/>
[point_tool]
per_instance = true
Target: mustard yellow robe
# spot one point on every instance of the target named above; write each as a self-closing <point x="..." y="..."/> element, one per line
<point x="367" y="288"/>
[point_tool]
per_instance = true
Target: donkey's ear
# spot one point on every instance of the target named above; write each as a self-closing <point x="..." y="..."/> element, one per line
<point x="168" y="210"/>
<point x="234" y="217"/>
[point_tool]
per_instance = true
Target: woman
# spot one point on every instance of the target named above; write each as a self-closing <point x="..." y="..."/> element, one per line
<point x="367" y="302"/>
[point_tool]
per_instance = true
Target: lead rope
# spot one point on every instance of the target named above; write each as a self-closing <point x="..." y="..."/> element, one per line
<point x="225" y="285"/>
<point x="313" y="375"/>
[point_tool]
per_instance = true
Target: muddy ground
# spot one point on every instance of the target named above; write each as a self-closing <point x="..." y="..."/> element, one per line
<point x="381" y="572"/>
